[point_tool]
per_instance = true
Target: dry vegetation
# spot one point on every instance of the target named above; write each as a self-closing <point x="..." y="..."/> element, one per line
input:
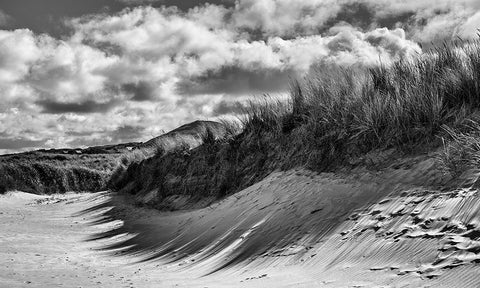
<point x="183" y="138"/>
<point x="334" y="117"/>
<point x="46" y="173"/>
<point x="462" y="151"/>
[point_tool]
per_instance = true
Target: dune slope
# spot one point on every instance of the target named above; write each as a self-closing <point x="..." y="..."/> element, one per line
<point x="299" y="228"/>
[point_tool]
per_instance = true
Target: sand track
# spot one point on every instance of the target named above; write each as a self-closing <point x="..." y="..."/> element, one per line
<point x="293" y="229"/>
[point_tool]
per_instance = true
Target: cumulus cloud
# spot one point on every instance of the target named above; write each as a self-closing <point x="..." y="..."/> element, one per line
<point x="19" y="50"/>
<point x="431" y="20"/>
<point x="425" y="21"/>
<point x="127" y="72"/>
<point x="209" y="56"/>
<point x="284" y="17"/>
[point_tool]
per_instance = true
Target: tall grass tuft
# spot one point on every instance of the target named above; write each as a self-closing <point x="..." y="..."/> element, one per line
<point x="263" y="114"/>
<point x="336" y="108"/>
<point x="461" y="150"/>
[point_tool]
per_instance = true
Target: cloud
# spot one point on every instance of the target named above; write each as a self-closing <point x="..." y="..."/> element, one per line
<point x="69" y="71"/>
<point x="183" y="5"/>
<point x="127" y="133"/>
<point x="284" y="17"/>
<point x="88" y="106"/>
<point x="122" y="134"/>
<point x="143" y="66"/>
<point x="425" y="21"/>
<point x="228" y="108"/>
<point x="18" y="51"/>
<point x="140" y="2"/>
<point x="471" y="27"/>
<point x="431" y="20"/>
<point x="19" y="143"/>
<point x="357" y="14"/>
<point x="236" y="81"/>
<point x="141" y="91"/>
<point x="164" y="51"/>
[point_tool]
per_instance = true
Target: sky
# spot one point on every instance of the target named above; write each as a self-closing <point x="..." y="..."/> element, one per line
<point x="92" y="72"/>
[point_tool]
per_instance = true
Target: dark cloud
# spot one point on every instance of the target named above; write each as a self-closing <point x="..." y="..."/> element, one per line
<point x="43" y="16"/>
<point x="139" y="2"/>
<point x="363" y="15"/>
<point x="127" y="133"/>
<point x="86" y="142"/>
<point x="236" y="81"/>
<point x="19" y="143"/>
<point x="80" y="133"/>
<point x="85" y="107"/>
<point x="391" y="21"/>
<point x="228" y="108"/>
<point x="122" y="134"/>
<point x="141" y="91"/>
<point x="359" y="15"/>
<point x="182" y="4"/>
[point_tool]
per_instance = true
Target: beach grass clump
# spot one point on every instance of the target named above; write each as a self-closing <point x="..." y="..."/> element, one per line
<point x="46" y="173"/>
<point x="334" y="109"/>
<point x="461" y="149"/>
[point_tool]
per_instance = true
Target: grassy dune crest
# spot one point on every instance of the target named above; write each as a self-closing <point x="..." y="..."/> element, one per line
<point x="334" y="117"/>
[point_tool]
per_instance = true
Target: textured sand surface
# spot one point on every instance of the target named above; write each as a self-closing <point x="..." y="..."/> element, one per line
<point x="293" y="229"/>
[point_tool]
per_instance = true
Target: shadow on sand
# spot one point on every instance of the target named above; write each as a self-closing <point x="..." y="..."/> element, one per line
<point x="283" y="215"/>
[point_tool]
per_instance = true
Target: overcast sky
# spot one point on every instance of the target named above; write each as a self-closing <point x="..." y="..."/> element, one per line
<point x="76" y="73"/>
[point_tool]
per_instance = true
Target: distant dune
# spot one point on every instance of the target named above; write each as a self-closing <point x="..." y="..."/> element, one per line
<point x="190" y="134"/>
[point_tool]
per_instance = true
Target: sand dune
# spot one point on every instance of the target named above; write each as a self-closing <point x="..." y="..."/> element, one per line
<point x="293" y="229"/>
<point x="189" y="134"/>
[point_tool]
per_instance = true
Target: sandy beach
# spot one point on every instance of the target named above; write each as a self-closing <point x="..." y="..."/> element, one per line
<point x="294" y="229"/>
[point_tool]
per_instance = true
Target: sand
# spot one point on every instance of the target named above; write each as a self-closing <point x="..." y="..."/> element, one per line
<point x="293" y="229"/>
